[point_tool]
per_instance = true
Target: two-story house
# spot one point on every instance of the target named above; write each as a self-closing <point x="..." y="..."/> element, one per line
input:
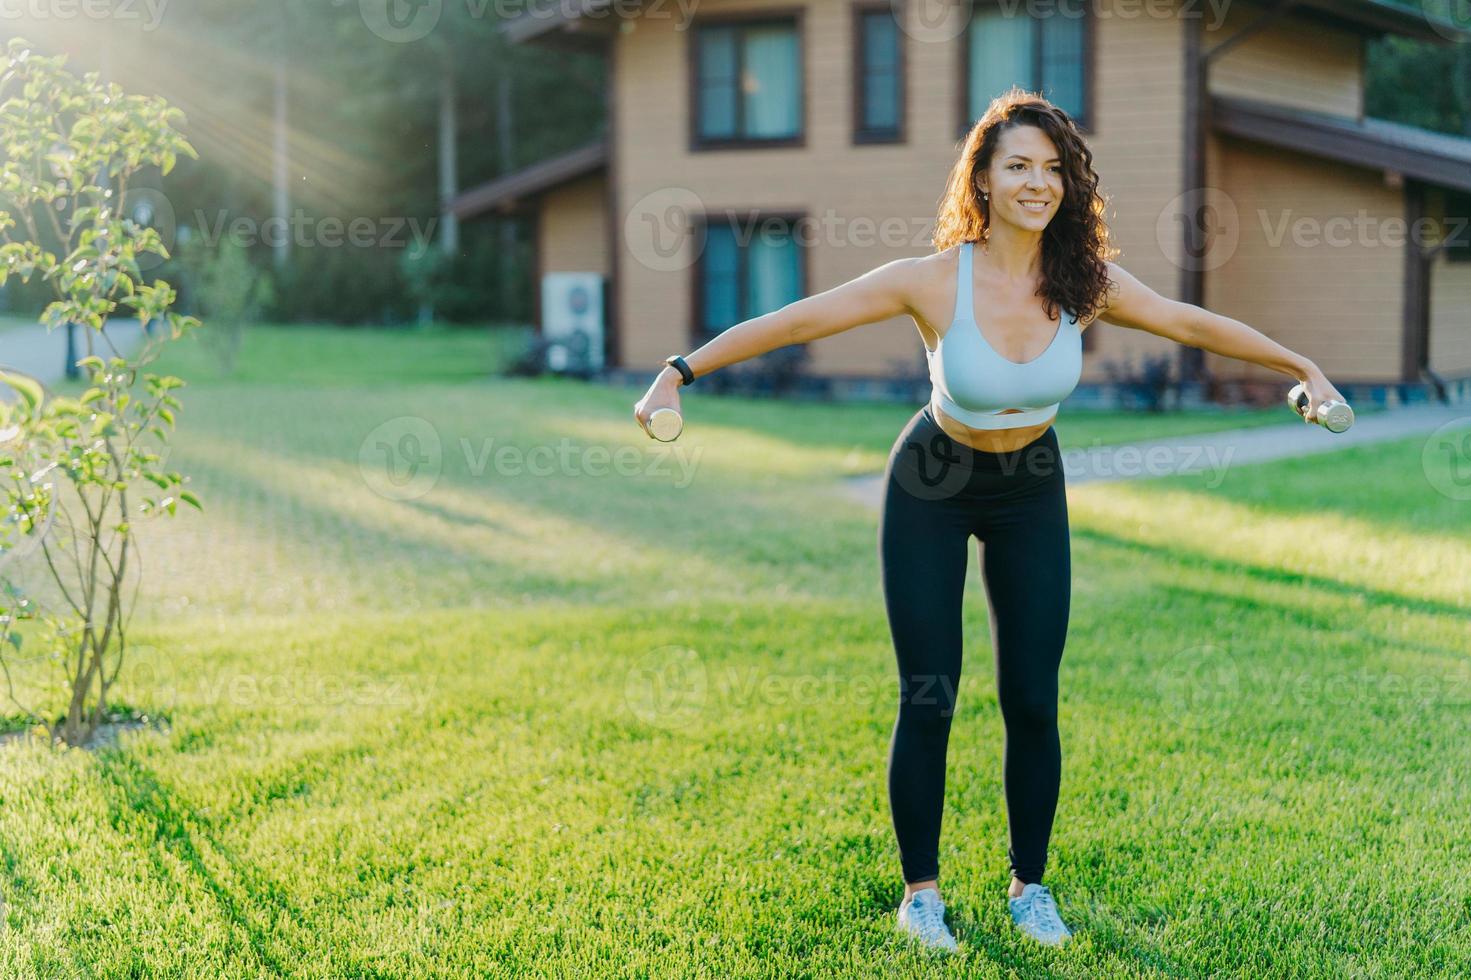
<point x="758" y="151"/>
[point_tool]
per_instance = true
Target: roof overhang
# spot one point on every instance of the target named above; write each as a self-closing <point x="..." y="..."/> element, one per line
<point x="1436" y="158"/>
<point x="587" y="24"/>
<point x="506" y="193"/>
<point x="1388" y="17"/>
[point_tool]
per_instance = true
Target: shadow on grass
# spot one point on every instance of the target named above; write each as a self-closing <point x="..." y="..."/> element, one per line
<point x="1108" y="932"/>
<point x="253" y="489"/>
<point x="1301" y="617"/>
<point x="626" y="514"/>
<point x="1386" y="483"/>
<point x="991" y="936"/>
<point x="131" y="789"/>
<point x="1193" y="559"/>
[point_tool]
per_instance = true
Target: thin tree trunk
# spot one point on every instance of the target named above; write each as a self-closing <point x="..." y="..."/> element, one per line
<point x="449" y="228"/>
<point x="505" y="128"/>
<point x="280" y="189"/>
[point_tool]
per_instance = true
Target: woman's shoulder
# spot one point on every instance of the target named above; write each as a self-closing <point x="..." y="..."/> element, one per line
<point x="933" y="268"/>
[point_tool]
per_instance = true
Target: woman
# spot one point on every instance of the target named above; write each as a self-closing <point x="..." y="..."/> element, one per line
<point x="1021" y="270"/>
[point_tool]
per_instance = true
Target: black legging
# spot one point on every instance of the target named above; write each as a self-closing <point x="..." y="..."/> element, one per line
<point x="938" y="493"/>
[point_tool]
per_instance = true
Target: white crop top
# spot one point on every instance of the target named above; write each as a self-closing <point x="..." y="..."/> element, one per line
<point x="975" y="385"/>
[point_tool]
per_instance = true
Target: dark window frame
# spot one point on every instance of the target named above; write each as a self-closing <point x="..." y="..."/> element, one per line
<point x="858" y="10"/>
<point x="741" y="219"/>
<point x="1086" y="122"/>
<point x="795" y="17"/>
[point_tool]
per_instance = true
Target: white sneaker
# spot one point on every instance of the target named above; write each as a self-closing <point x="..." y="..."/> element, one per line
<point x="1035" y="913"/>
<point x="923" y="916"/>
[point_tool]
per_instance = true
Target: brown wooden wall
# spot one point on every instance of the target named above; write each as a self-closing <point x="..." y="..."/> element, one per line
<point x="1339" y="304"/>
<point x="571" y="233"/>
<point x="1450" y="318"/>
<point x="1296" y="62"/>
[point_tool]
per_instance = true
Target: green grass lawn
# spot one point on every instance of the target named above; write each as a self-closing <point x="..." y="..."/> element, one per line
<point x="593" y="706"/>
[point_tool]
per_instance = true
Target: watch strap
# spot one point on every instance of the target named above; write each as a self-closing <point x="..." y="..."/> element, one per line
<point x="677" y="362"/>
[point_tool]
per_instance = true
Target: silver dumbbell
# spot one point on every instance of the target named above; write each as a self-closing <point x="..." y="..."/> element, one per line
<point x="665" y="424"/>
<point x="1333" y="415"/>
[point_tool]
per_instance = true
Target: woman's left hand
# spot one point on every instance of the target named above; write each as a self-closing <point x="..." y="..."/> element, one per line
<point x="1319" y="390"/>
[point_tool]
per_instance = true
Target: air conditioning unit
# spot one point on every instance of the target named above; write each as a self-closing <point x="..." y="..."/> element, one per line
<point x="572" y="321"/>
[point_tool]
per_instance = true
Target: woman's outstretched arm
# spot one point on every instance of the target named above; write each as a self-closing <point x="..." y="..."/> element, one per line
<point x="1132" y="304"/>
<point x="876" y="295"/>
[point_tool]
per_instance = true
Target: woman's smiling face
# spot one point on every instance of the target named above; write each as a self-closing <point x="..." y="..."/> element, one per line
<point x="1025" y="169"/>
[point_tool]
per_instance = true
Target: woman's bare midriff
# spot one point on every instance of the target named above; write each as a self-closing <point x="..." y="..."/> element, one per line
<point x="990" y="440"/>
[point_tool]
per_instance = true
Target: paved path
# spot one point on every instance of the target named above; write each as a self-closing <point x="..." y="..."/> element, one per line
<point x="1213" y="452"/>
<point x="33" y="350"/>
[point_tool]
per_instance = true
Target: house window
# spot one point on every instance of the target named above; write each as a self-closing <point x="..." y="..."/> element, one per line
<point x="1458" y="226"/>
<point x="747" y="83"/>
<point x="749" y="266"/>
<point x="1006" y="46"/>
<point x="878" y="76"/>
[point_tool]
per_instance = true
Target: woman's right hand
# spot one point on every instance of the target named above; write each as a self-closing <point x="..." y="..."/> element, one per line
<point x="663" y="393"/>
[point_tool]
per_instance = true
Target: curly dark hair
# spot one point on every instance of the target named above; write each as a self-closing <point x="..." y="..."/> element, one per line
<point x="1075" y="244"/>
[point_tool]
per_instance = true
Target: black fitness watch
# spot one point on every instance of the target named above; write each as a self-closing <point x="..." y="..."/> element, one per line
<point x="677" y="362"/>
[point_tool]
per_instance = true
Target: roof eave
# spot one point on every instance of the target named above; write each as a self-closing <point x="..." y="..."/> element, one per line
<point x="506" y="193"/>
<point x="1388" y="18"/>
<point x="1337" y="139"/>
